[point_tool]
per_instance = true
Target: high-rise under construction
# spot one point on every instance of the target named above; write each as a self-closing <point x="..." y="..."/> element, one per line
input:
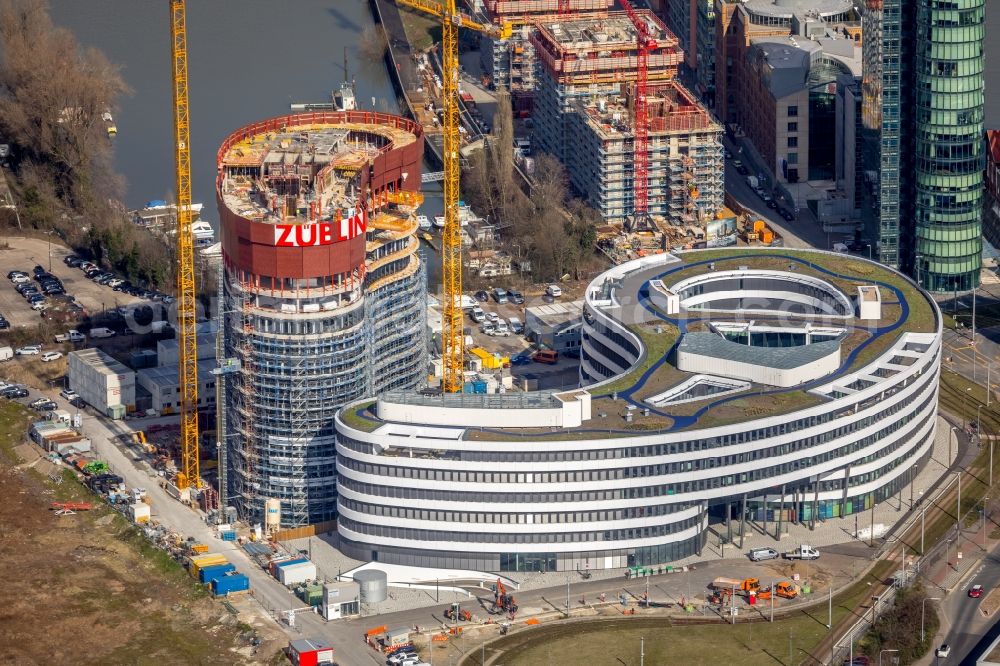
<point x="324" y="295"/>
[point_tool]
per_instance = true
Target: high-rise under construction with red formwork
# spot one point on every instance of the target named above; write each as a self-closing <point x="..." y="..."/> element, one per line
<point x="324" y="295"/>
<point x="511" y="63"/>
<point x="585" y="115"/>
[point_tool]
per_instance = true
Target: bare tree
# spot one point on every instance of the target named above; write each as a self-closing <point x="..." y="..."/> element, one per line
<point x="53" y="95"/>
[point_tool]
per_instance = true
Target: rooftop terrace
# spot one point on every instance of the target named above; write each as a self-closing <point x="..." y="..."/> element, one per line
<point x="624" y="296"/>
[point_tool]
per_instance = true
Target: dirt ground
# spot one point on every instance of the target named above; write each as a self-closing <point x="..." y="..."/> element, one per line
<point x="89" y="589"/>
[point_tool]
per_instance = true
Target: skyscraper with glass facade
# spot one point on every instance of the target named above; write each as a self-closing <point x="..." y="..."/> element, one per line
<point x="923" y="124"/>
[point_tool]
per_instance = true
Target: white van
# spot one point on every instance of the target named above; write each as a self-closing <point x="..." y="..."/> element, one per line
<point x="101" y="332"/>
<point x="502" y="328"/>
<point x="6" y="353"/>
<point x="516" y="327"/>
<point x="554" y="290"/>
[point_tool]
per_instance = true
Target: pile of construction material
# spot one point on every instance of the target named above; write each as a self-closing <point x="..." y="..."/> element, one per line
<point x="218" y="574"/>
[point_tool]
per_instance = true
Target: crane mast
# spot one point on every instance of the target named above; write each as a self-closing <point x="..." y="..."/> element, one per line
<point x="452" y="333"/>
<point x="186" y="304"/>
<point x="640" y="206"/>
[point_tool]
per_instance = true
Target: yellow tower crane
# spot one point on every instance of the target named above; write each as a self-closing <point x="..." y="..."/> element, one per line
<point x="452" y="333"/>
<point x="186" y="304"/>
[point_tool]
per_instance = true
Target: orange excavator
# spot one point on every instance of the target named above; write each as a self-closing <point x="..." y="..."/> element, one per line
<point x="502" y="600"/>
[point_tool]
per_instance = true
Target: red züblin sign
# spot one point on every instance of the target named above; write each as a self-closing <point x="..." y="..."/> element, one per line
<point x="320" y="233"/>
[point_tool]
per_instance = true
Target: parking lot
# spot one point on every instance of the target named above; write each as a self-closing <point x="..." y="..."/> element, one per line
<point x="564" y="373"/>
<point x="26" y="253"/>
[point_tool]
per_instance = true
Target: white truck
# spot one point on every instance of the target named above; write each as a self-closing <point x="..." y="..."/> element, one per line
<point x="803" y="552"/>
<point x="753" y="182"/>
<point x="71" y="335"/>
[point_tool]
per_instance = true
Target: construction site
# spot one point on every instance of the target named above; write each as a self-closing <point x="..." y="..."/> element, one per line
<point x="322" y="296"/>
<point x="511" y="63"/>
<point x="636" y="144"/>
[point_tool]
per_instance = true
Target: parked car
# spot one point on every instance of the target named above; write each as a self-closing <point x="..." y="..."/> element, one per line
<point x="46" y="406"/>
<point x="742" y="170"/>
<point x="20" y="279"/>
<point x="500" y="295"/>
<point x="786" y="214"/>
<point x="78" y="402"/>
<point x="523" y="358"/>
<point x="13" y="274"/>
<point x="771" y="203"/>
<point x="69" y="394"/>
<point x="29" y="350"/>
<point x="761" y="554"/>
<point x="943" y="651"/>
<point x="547" y="356"/>
<point x="482" y="296"/>
<point x="39" y="270"/>
<point x="12" y="392"/>
<point x="4" y="324"/>
<point x="516" y="297"/>
<point x="477" y="314"/>
<point x="51" y="356"/>
<point x="502" y="328"/>
<point x="493" y="317"/>
<point x="975" y="591"/>
<point x="554" y="290"/>
<point x="488" y="328"/>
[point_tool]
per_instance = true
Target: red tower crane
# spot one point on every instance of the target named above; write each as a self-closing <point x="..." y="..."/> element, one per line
<point x="644" y="42"/>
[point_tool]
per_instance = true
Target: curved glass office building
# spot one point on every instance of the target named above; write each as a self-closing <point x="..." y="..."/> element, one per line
<point x="949" y="144"/>
<point x="782" y="385"/>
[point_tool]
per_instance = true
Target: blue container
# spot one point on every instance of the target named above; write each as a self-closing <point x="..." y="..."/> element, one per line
<point x="235" y="582"/>
<point x="228" y="536"/>
<point x="479" y="387"/>
<point x="206" y="574"/>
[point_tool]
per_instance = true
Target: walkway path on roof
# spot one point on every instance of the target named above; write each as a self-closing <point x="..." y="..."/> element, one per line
<point x="643" y="307"/>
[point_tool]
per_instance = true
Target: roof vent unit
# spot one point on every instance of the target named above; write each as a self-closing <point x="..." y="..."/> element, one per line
<point x="628" y="417"/>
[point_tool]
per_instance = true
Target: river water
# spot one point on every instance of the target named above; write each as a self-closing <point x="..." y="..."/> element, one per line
<point x="247" y="60"/>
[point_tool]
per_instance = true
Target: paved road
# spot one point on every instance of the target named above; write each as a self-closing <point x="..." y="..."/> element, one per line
<point x="962" y="625"/>
<point x="803" y="232"/>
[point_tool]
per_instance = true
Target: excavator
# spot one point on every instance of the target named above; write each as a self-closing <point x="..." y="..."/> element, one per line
<point x="502" y="601"/>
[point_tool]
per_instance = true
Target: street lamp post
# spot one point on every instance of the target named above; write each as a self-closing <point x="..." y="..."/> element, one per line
<point x="985" y="503"/>
<point x="979" y="424"/>
<point x="923" y="609"/>
<point x="958" y="507"/>
<point x="881" y="652"/>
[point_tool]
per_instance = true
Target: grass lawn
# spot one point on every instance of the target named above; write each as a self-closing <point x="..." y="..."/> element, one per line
<point x="616" y="642"/>
<point x="422" y="30"/>
<point x="656" y="345"/>
<point x="350" y="417"/>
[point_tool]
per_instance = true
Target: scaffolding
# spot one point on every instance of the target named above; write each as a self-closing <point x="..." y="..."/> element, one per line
<point x="686" y="166"/>
<point x="512" y="62"/>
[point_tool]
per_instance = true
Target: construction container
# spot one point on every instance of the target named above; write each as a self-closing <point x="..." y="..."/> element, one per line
<point x="399" y="636"/>
<point x="310" y="594"/>
<point x="228" y="535"/>
<point x="139" y="513"/>
<point x="206" y="574"/>
<point x="277" y="563"/>
<point x="296" y="574"/>
<point x="201" y="561"/>
<point x="199" y="548"/>
<point x="101" y="381"/>
<point x="229" y="584"/>
<point x="309" y="652"/>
